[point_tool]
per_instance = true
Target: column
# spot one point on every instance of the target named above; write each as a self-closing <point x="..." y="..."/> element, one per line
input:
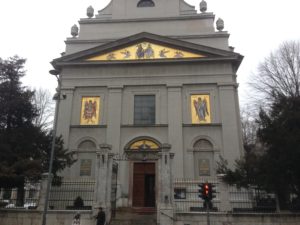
<point x="165" y="207"/>
<point x="102" y="193"/>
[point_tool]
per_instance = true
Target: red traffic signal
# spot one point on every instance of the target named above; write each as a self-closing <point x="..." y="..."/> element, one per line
<point x="207" y="191"/>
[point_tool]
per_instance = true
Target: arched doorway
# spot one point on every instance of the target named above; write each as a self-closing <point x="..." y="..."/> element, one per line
<point x="143" y="154"/>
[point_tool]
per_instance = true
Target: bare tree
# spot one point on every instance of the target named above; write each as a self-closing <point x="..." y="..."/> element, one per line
<point x="249" y="127"/>
<point x="279" y="74"/>
<point x="43" y="102"/>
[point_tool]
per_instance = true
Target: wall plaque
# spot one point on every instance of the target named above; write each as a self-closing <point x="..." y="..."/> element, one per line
<point x="85" y="167"/>
<point x="204" y="167"/>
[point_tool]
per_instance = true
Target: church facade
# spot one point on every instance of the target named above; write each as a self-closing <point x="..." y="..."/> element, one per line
<point x="151" y="89"/>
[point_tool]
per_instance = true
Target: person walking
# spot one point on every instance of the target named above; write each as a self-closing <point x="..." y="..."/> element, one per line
<point x="76" y="220"/>
<point x="100" y="217"/>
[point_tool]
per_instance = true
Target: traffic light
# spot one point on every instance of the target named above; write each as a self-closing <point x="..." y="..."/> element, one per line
<point x="204" y="191"/>
<point x="200" y="191"/>
<point x="212" y="191"/>
<point x="207" y="191"/>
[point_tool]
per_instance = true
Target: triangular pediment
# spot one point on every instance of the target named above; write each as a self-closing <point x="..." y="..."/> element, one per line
<point x="145" y="47"/>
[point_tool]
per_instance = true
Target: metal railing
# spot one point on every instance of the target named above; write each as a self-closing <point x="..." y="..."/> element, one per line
<point x="72" y="195"/>
<point x="24" y="198"/>
<point x="251" y="200"/>
<point x="239" y="200"/>
<point x="186" y="196"/>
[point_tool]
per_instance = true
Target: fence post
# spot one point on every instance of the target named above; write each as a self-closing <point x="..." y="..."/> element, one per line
<point x="224" y="191"/>
<point x="42" y="192"/>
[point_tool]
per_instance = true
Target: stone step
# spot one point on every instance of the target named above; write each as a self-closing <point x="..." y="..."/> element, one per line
<point x="133" y="222"/>
<point x="131" y="216"/>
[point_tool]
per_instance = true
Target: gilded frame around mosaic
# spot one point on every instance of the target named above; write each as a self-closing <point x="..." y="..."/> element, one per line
<point x="200" y="109"/>
<point x="90" y="111"/>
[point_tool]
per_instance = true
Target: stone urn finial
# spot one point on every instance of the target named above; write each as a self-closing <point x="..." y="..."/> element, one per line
<point x="74" y="30"/>
<point x="90" y="12"/>
<point x="220" y="24"/>
<point x="203" y="6"/>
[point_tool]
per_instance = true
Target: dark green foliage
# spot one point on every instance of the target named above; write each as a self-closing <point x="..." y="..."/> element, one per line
<point x="277" y="168"/>
<point x="280" y="132"/>
<point x="24" y="146"/>
<point x="245" y="173"/>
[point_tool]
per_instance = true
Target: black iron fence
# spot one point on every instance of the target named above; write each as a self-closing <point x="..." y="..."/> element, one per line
<point x="23" y="197"/>
<point x="72" y="195"/>
<point x="228" y="198"/>
<point x="251" y="200"/>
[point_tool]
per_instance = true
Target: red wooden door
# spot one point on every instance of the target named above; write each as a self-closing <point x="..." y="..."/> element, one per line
<point x="141" y="195"/>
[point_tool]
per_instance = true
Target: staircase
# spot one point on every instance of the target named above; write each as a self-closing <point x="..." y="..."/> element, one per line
<point x="139" y="216"/>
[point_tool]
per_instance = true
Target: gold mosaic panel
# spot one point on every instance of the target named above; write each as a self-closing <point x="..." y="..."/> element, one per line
<point x="145" y="51"/>
<point x="200" y="109"/>
<point x="90" y="111"/>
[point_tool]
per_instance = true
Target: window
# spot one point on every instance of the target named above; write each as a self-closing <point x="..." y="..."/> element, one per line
<point x="144" y="109"/>
<point x="145" y="3"/>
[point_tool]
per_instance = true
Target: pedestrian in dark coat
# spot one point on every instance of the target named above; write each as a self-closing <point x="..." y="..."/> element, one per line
<point x="100" y="217"/>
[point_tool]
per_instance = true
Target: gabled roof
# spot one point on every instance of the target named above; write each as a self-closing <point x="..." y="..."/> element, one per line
<point x="144" y="48"/>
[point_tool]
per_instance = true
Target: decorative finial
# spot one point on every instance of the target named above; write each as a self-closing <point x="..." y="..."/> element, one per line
<point x="203" y="6"/>
<point x="220" y="24"/>
<point x="90" y="12"/>
<point x="74" y="30"/>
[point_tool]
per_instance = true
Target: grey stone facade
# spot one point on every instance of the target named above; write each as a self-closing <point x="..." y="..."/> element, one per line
<point x="171" y="23"/>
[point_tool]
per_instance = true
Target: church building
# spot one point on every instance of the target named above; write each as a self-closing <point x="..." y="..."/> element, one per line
<point x="151" y="96"/>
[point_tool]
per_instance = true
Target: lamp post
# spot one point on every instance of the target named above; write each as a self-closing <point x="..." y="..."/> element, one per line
<point x="56" y="97"/>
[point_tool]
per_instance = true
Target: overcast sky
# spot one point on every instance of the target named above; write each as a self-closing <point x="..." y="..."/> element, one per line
<point x="36" y="30"/>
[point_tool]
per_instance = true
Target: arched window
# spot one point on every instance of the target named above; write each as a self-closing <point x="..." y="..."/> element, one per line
<point x="144" y="145"/>
<point x="203" y="158"/>
<point x="203" y="144"/>
<point x="87" y="145"/>
<point x="145" y="3"/>
<point x="86" y="159"/>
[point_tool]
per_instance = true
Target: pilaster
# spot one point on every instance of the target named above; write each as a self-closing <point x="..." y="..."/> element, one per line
<point x="175" y="128"/>
<point x="114" y="118"/>
<point x="230" y="127"/>
<point x="65" y="114"/>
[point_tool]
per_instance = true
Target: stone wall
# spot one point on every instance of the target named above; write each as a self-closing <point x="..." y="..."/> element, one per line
<point x="33" y="217"/>
<point x="238" y="219"/>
